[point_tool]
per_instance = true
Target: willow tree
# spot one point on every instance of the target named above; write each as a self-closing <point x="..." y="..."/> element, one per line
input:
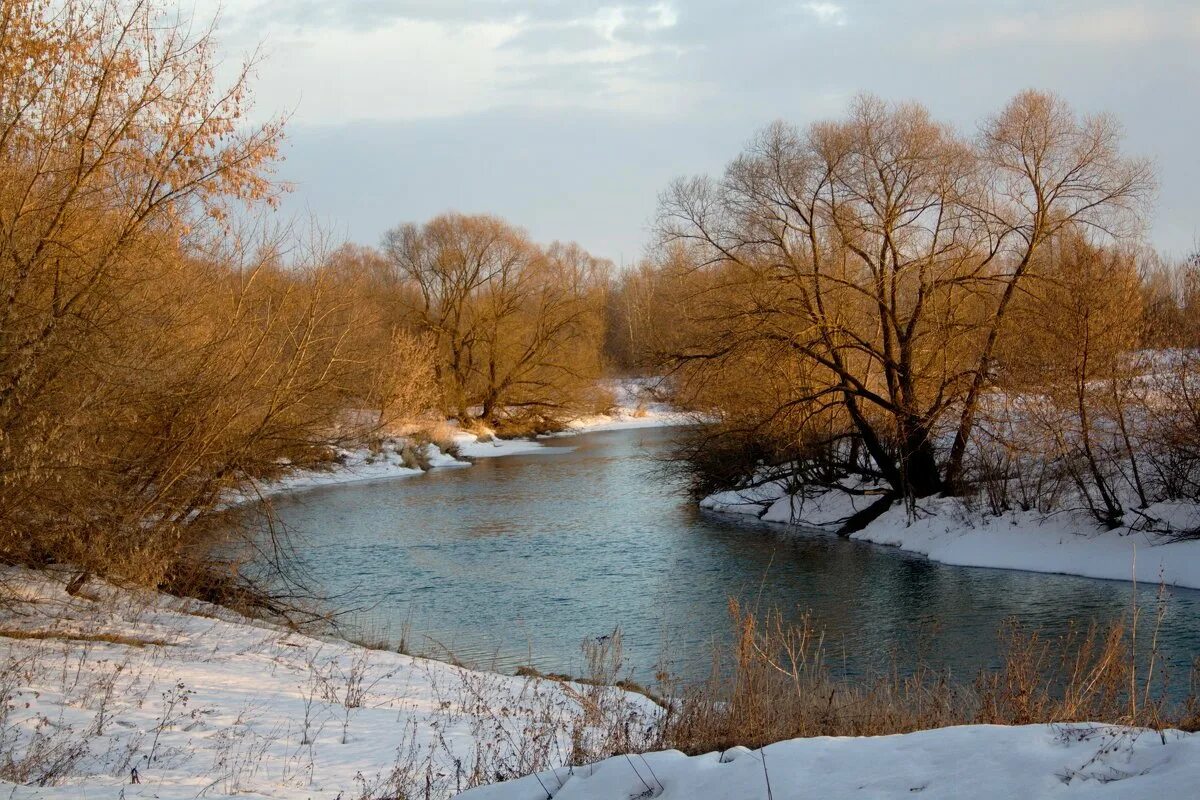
<point x="880" y="254"/>
<point x="518" y="327"/>
<point x="1050" y="172"/>
<point x="1072" y="350"/>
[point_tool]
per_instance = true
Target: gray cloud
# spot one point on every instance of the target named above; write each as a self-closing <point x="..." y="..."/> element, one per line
<point x="602" y="102"/>
<point x="557" y="37"/>
<point x="367" y="14"/>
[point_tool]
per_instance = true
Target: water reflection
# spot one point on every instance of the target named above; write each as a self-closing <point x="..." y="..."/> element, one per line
<point x="516" y="560"/>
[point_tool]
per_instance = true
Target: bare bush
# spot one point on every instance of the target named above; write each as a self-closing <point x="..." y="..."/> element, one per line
<point x="153" y="355"/>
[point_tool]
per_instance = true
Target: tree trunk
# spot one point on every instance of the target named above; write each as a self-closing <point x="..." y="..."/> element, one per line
<point x="920" y="470"/>
<point x="864" y="517"/>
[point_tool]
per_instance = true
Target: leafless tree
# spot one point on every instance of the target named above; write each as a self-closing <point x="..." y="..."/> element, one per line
<point x="876" y="258"/>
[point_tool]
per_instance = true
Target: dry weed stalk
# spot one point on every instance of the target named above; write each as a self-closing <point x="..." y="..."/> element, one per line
<point x="773" y="684"/>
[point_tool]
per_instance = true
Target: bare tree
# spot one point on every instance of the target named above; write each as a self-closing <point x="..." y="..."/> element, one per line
<point x="1049" y="170"/>
<point x="517" y="326"/>
<point x="880" y="254"/>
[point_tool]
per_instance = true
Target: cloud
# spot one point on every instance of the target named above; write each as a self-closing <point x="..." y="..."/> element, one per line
<point x="622" y="31"/>
<point x="405" y="70"/>
<point x="827" y="13"/>
<point x="1113" y="25"/>
<point x="367" y="14"/>
<point x="718" y="68"/>
<point x="347" y="60"/>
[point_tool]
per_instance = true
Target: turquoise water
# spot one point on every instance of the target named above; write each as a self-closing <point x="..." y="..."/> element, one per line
<point x="516" y="560"/>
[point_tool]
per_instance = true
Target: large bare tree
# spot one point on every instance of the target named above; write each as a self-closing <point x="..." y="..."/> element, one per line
<point x="881" y="254"/>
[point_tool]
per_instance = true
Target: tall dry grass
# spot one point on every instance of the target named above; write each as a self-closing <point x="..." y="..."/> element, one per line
<point x="774" y="683"/>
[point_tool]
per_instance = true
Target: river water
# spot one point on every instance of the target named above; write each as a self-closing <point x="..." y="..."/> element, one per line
<point x="516" y="560"/>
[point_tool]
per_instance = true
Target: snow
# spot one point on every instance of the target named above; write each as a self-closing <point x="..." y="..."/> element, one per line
<point x="634" y="407"/>
<point x="621" y="420"/>
<point x="354" y="465"/>
<point x="944" y="530"/>
<point x="983" y="762"/>
<point x="473" y="446"/>
<point x="204" y="703"/>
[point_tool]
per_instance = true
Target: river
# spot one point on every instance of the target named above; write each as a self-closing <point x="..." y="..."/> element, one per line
<point x="516" y="560"/>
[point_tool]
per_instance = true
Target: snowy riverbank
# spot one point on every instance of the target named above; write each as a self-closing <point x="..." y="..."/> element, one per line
<point x="944" y="530"/>
<point x="196" y="701"/>
<point x="984" y="762"/>
<point x="634" y="407"/>
<point x="203" y="703"/>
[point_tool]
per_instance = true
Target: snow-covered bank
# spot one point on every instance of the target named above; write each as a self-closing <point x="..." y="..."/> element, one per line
<point x="106" y="685"/>
<point x="353" y="465"/>
<point x="387" y="461"/>
<point x="984" y="762"/>
<point x="203" y="703"/>
<point x="634" y="407"/>
<point x="944" y="530"/>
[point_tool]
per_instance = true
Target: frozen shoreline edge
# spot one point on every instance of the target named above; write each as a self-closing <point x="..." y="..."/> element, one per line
<point x="943" y="530"/>
<point x="360" y="465"/>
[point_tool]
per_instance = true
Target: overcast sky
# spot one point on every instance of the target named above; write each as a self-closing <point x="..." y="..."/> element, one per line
<point x="568" y="118"/>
